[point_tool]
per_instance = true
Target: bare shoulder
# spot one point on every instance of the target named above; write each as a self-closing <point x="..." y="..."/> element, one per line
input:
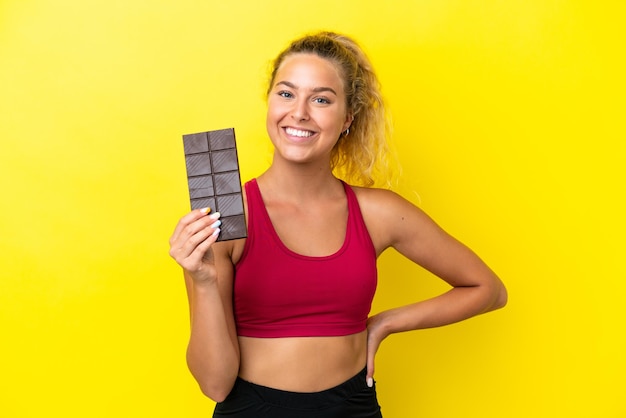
<point x="386" y="205"/>
<point x="371" y="198"/>
<point x="390" y="218"/>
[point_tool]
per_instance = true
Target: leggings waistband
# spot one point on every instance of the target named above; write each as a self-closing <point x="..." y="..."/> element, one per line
<point x="306" y="400"/>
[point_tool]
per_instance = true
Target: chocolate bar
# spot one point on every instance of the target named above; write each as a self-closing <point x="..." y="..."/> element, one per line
<point x="214" y="180"/>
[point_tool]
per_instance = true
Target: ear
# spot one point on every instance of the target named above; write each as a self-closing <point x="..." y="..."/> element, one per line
<point x="348" y="121"/>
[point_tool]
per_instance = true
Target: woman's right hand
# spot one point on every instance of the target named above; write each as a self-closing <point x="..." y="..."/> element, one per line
<point x="190" y="244"/>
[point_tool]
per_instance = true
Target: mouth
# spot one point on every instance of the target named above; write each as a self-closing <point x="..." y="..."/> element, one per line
<point x="298" y="133"/>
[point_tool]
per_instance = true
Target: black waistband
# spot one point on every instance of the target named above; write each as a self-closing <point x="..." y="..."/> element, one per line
<point x="300" y="400"/>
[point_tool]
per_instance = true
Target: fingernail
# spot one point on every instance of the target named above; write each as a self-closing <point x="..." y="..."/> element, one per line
<point x="205" y="210"/>
<point x="216" y="224"/>
<point x="370" y="382"/>
<point x="214" y="215"/>
<point x="216" y="232"/>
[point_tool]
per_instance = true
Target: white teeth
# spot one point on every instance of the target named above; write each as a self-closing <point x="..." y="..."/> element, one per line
<point x="299" y="133"/>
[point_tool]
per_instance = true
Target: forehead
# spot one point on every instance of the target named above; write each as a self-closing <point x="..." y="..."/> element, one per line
<point x="309" y="69"/>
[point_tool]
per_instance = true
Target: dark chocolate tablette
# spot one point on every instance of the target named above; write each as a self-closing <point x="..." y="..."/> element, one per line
<point x="214" y="180"/>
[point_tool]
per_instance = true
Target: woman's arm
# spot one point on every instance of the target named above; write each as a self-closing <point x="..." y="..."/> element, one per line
<point x="213" y="350"/>
<point x="395" y="222"/>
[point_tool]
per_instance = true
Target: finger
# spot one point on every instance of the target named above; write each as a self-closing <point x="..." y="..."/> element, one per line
<point x="369" y="377"/>
<point x="196" y="239"/>
<point x="190" y="229"/>
<point x="199" y="252"/>
<point x="372" y="348"/>
<point x="186" y="220"/>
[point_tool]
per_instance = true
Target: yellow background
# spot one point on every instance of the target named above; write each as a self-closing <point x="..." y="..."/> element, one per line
<point x="509" y="123"/>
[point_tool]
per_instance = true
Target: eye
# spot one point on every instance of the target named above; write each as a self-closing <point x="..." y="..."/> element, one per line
<point x="285" y="94"/>
<point x="321" y="100"/>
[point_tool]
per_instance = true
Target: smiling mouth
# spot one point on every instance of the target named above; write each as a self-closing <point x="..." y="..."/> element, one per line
<point x="298" y="132"/>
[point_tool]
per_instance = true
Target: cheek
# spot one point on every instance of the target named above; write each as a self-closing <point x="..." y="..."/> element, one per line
<point x="336" y="122"/>
<point x="272" y="119"/>
<point x="274" y="111"/>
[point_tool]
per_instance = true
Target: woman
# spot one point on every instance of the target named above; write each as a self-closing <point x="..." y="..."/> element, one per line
<point x="279" y="321"/>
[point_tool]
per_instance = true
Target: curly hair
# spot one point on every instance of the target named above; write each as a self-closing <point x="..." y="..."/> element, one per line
<point x="362" y="154"/>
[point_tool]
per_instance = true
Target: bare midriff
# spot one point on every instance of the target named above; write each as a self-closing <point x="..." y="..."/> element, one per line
<point x="302" y="364"/>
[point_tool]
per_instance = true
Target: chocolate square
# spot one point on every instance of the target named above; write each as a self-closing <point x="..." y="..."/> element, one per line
<point x="214" y="180"/>
<point x="200" y="186"/>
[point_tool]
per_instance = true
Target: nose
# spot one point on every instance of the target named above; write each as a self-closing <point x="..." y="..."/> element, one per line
<point x="300" y="110"/>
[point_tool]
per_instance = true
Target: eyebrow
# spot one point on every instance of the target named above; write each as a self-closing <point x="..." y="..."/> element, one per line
<point x="315" y="90"/>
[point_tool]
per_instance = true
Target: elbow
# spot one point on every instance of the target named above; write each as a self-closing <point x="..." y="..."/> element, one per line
<point x="494" y="296"/>
<point x="215" y="395"/>
<point x="215" y="379"/>
<point x="501" y="297"/>
<point x="216" y="392"/>
<point x="214" y="384"/>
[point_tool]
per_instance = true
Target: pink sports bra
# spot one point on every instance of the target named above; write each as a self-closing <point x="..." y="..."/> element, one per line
<point x="279" y="293"/>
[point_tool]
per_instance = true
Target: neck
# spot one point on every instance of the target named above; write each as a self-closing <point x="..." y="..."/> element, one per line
<point x="300" y="181"/>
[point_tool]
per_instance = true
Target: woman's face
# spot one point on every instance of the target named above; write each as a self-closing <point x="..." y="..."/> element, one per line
<point x="306" y="108"/>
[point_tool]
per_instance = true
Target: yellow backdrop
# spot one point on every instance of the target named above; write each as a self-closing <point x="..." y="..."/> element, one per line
<point x="508" y="123"/>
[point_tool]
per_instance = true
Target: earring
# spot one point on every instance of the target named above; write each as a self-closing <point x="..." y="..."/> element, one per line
<point x="346" y="132"/>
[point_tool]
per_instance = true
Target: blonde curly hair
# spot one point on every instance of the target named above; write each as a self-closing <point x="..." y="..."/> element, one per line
<point x="362" y="155"/>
